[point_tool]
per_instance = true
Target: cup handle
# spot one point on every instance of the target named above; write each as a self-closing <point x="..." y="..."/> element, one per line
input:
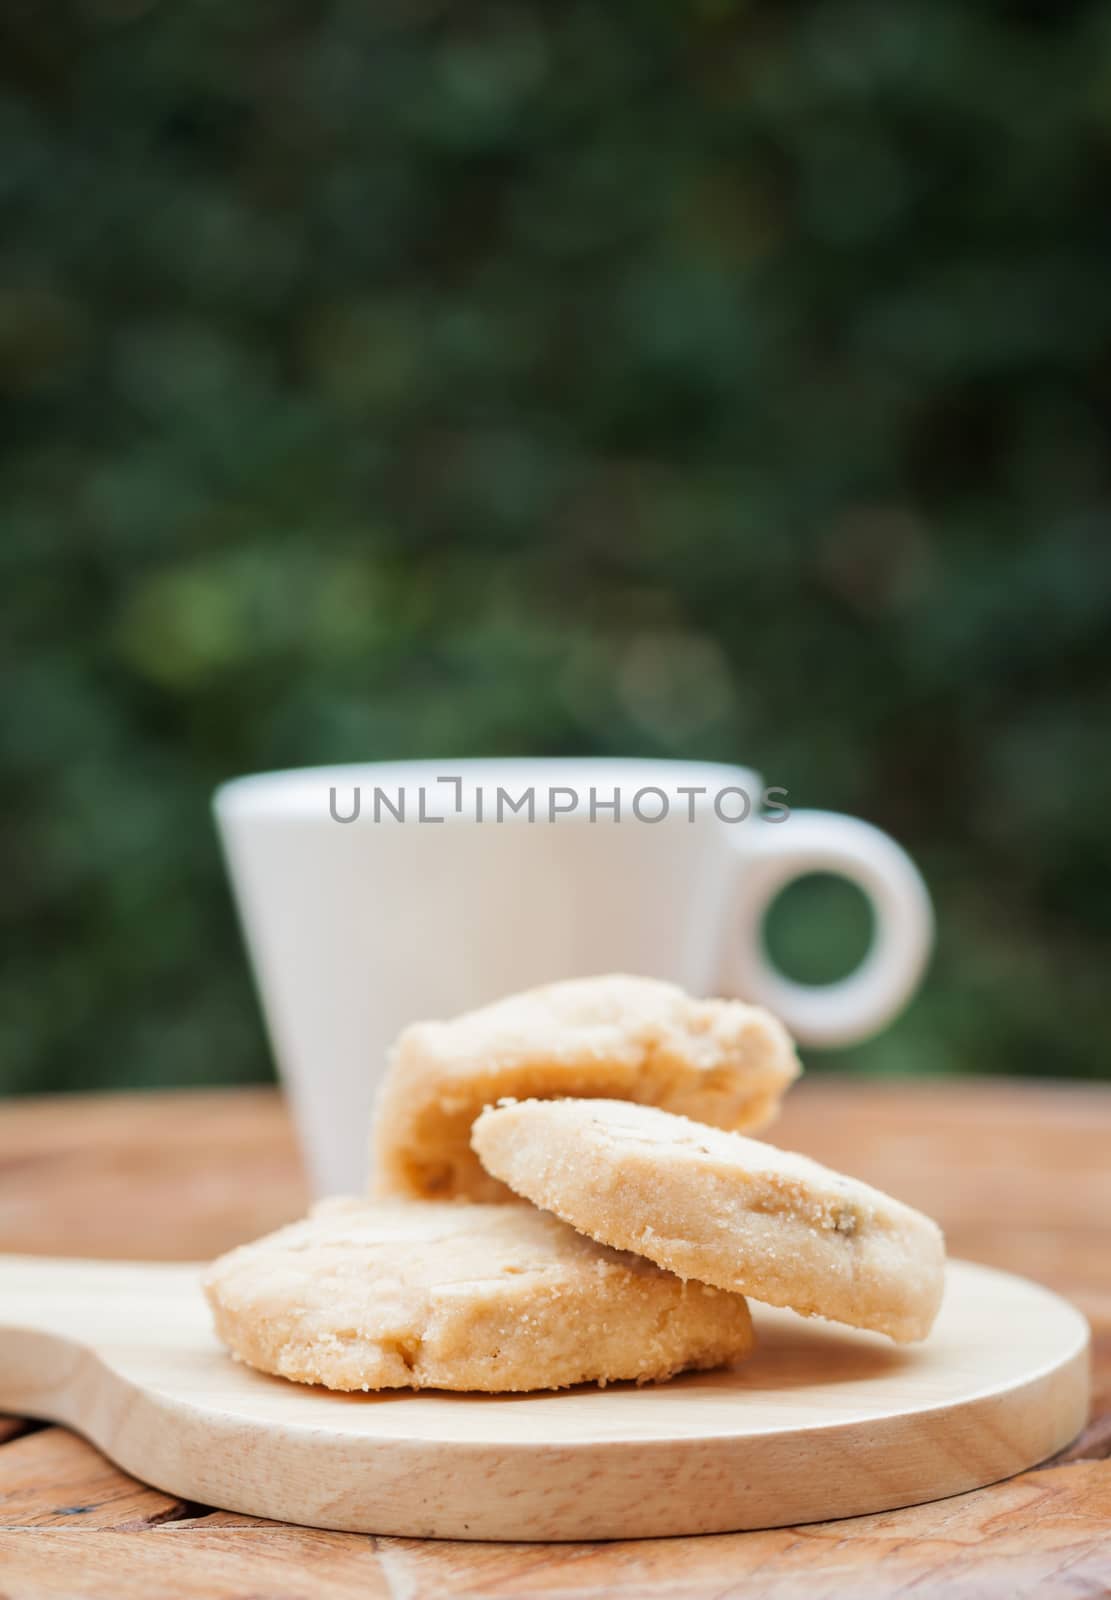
<point x="823" y="841"/>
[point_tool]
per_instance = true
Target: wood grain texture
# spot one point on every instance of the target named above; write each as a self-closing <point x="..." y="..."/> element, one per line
<point x="172" y="1176"/>
<point x="1012" y="1169"/>
<point x="1042" y="1534"/>
<point x="209" y="1564"/>
<point x="1038" y="1535"/>
<point x="53" y="1479"/>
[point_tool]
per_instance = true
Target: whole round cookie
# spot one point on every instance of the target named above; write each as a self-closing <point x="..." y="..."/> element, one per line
<point x="723" y="1209"/>
<point x="613" y="1037"/>
<point x="415" y="1294"/>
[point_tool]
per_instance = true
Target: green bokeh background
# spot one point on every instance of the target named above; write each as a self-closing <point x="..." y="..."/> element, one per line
<point x="688" y="379"/>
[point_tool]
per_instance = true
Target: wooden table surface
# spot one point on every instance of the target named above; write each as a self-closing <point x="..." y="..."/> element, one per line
<point x="1017" y="1173"/>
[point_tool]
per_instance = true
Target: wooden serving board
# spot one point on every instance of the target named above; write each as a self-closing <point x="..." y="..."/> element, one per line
<point x="822" y="1422"/>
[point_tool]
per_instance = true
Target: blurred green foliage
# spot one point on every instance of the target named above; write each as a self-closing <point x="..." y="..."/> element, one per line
<point x="701" y="379"/>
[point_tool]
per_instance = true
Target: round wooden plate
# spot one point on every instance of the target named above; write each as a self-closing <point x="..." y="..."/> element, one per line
<point x="822" y="1422"/>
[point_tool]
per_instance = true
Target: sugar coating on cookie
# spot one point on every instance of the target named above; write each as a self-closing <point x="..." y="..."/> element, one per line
<point x="729" y="1211"/>
<point x="420" y="1294"/>
<point x="719" y="1061"/>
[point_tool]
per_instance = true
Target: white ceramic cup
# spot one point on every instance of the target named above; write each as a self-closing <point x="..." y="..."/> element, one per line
<point x="360" y="924"/>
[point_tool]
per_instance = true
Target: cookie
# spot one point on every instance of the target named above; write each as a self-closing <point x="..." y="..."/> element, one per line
<point x="413" y="1294"/>
<point x="614" y="1037"/>
<point x="722" y="1209"/>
